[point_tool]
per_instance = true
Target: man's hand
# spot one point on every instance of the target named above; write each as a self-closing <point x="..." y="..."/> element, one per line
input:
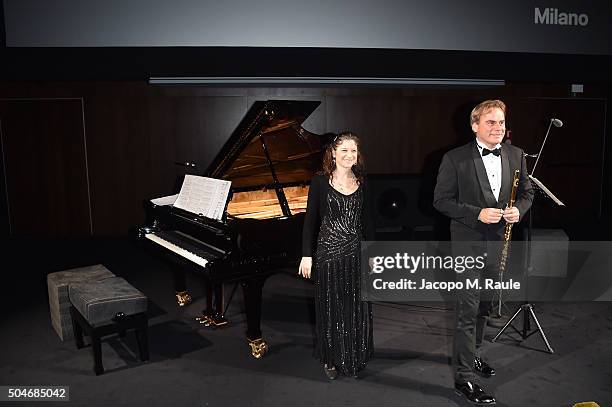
<point x="512" y="215"/>
<point x="490" y="215"/>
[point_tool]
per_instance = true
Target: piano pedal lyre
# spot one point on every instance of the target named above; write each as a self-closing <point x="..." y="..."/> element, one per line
<point x="259" y="347"/>
<point x="183" y="298"/>
<point x="204" y="320"/>
<point x="218" y="320"/>
<point x="214" y="320"/>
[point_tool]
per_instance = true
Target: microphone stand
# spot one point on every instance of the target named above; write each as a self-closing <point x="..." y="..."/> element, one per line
<point x="526" y="309"/>
<point x="541" y="147"/>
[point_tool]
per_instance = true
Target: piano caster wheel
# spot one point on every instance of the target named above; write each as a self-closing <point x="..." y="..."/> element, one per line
<point x="259" y="347"/>
<point x="183" y="298"/>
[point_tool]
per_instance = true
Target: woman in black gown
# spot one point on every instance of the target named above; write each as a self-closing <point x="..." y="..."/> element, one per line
<point x="337" y="219"/>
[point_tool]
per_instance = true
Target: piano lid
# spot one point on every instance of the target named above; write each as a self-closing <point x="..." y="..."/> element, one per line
<point x="275" y="125"/>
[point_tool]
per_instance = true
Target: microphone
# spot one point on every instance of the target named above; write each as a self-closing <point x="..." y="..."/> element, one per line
<point x="185" y="164"/>
<point x="557" y="122"/>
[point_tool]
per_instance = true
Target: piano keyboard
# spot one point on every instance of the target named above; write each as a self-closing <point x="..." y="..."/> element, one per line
<point x="177" y="249"/>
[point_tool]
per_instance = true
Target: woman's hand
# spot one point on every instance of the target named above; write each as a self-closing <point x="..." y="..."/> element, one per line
<point x="305" y="267"/>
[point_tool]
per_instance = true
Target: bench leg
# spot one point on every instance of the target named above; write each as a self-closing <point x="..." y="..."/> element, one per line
<point x="142" y="337"/>
<point x="96" y="347"/>
<point x="138" y="322"/>
<point x="76" y="328"/>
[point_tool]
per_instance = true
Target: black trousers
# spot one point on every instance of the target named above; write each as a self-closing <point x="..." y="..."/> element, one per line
<point x="473" y="307"/>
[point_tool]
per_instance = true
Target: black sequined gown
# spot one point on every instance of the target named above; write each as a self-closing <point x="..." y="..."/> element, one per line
<point x="343" y="321"/>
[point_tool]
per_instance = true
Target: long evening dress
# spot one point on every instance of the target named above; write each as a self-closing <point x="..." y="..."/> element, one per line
<point x="343" y="321"/>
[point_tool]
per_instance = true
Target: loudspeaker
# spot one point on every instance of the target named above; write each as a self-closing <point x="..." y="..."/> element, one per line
<point x="400" y="201"/>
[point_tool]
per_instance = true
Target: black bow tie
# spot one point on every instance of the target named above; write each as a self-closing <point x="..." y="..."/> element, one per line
<point x="496" y="152"/>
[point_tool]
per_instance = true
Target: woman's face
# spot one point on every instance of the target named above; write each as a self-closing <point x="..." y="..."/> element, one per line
<point x="346" y="154"/>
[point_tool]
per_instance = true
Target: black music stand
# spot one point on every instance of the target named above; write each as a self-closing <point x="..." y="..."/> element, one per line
<point x="526" y="309"/>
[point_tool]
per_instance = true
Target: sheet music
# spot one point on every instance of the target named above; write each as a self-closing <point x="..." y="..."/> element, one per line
<point x="203" y="196"/>
<point x="546" y="190"/>
<point x="165" y="200"/>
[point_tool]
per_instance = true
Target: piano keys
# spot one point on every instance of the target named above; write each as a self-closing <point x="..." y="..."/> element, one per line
<point x="269" y="159"/>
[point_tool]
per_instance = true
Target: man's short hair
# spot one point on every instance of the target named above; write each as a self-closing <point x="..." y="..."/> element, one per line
<point x="484" y="107"/>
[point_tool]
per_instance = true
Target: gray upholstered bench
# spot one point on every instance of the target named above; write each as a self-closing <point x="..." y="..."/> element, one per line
<point x="59" y="303"/>
<point x="108" y="307"/>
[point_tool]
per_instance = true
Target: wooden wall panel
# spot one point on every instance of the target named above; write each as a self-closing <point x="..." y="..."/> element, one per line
<point x="138" y="135"/>
<point x="572" y="159"/>
<point x="118" y="152"/>
<point x="188" y="129"/>
<point x="46" y="176"/>
<point x="380" y="121"/>
<point x="136" y="132"/>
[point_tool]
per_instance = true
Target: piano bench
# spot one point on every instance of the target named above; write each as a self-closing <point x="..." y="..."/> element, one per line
<point x="59" y="302"/>
<point x="107" y="307"/>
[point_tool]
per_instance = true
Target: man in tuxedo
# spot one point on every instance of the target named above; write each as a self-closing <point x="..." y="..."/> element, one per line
<point x="473" y="188"/>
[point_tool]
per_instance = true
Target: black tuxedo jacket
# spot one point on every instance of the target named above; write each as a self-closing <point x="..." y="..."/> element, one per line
<point x="463" y="189"/>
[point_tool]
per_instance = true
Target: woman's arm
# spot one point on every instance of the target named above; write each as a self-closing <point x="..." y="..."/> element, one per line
<point x="311" y="222"/>
<point x="312" y="217"/>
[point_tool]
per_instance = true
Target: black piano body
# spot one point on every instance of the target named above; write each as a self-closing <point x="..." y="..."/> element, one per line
<point x="270" y="159"/>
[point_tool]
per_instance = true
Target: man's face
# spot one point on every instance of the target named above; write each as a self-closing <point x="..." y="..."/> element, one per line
<point x="491" y="128"/>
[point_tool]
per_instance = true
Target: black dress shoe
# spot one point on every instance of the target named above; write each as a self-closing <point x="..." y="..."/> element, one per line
<point x="474" y="394"/>
<point x="482" y="368"/>
<point x="330" y="372"/>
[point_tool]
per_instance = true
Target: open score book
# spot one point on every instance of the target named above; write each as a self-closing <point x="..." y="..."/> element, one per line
<point x="200" y="195"/>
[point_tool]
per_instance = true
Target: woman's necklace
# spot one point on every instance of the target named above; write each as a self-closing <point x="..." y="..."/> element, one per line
<point x="347" y="186"/>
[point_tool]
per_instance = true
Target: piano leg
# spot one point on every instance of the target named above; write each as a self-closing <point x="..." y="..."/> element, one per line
<point x="205" y="318"/>
<point x="180" y="288"/>
<point x="218" y="316"/>
<point x="252" y="290"/>
<point x="213" y="315"/>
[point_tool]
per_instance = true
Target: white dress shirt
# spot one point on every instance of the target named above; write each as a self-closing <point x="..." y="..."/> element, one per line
<point x="493" y="167"/>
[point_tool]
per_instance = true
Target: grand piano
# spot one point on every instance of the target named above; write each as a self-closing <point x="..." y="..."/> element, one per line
<point x="269" y="159"/>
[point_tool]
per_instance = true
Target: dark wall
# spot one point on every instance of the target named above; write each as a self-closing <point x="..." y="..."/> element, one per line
<point x="607" y="167"/>
<point x="43" y="142"/>
<point x="138" y="63"/>
<point x="135" y="132"/>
